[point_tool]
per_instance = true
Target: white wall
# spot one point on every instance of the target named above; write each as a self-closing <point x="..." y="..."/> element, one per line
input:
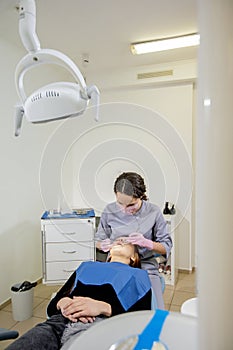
<point x="214" y="170"/>
<point x="145" y="128"/>
<point x="39" y="167"/>
<point x="21" y="203"/>
<point x="173" y="100"/>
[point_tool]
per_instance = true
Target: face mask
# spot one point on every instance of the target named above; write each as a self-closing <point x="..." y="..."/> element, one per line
<point x="129" y="210"/>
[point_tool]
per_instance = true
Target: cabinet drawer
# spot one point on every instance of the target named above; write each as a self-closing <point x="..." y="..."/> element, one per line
<point x="60" y="271"/>
<point x="70" y="251"/>
<point x="73" y="232"/>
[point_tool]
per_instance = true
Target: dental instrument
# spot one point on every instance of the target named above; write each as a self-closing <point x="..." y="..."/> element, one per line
<point x="57" y="100"/>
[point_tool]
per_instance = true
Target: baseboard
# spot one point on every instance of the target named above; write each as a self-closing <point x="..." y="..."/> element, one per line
<point x="187" y="271"/>
<point x="5" y="304"/>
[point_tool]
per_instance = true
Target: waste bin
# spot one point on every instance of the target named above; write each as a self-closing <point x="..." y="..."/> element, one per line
<point x="22" y="300"/>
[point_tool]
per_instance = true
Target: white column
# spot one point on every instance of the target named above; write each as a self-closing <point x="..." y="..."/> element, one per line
<point x="214" y="204"/>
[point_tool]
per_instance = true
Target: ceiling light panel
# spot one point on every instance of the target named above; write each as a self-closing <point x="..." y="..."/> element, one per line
<point x="165" y="44"/>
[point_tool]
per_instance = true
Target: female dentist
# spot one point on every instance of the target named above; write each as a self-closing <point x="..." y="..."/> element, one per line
<point x="132" y="215"/>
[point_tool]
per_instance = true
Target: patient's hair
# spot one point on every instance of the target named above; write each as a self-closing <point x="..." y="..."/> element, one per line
<point x="131" y="184"/>
<point x="136" y="262"/>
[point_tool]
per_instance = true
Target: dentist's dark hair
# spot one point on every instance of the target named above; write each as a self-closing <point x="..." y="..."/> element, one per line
<point x="131" y="184"/>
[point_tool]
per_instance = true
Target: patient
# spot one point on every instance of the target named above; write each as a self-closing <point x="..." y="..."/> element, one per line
<point x="95" y="291"/>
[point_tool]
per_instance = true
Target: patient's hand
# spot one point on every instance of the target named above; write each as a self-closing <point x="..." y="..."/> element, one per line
<point x="84" y="309"/>
<point x="64" y="303"/>
<point x="86" y="319"/>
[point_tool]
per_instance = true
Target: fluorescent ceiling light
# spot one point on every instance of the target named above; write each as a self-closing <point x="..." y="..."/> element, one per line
<point x="165" y="44"/>
<point x="207" y="102"/>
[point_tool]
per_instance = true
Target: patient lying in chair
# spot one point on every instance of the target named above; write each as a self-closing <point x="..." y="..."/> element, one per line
<point x="95" y="291"/>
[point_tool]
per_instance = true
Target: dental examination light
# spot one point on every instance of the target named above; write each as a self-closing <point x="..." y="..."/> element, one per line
<point x="56" y="100"/>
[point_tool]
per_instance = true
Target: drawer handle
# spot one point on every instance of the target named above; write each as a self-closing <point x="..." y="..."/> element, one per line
<point x="69" y="233"/>
<point x="68" y="270"/>
<point x="69" y="252"/>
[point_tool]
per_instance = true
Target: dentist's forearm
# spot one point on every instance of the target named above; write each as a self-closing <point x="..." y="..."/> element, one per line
<point x="159" y="248"/>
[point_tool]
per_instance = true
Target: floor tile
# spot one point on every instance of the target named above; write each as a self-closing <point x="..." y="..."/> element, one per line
<point x="45" y="291"/>
<point x="5" y="343"/>
<point x="169" y="287"/>
<point x="168" y="295"/>
<point x="36" y="301"/>
<point x="187" y="276"/>
<point x="7" y="308"/>
<point x="180" y="297"/>
<point x="40" y="310"/>
<point x="6" y="319"/>
<point x="174" y="308"/>
<point x="186" y="286"/>
<point x="24" y="326"/>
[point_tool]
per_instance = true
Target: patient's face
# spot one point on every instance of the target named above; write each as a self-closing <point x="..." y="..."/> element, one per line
<point x="121" y="246"/>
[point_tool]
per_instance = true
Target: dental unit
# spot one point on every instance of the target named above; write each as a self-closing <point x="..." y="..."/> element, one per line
<point x="57" y="100"/>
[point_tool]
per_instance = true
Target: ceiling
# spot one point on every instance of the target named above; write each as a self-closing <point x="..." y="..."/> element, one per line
<point x="104" y="29"/>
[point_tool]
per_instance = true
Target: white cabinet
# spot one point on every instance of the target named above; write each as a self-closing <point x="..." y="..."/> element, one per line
<point x="66" y="243"/>
<point x="168" y="269"/>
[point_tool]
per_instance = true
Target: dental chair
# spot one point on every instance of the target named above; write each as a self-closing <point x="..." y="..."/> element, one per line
<point x="179" y="332"/>
<point x="153" y="297"/>
<point x="6" y="334"/>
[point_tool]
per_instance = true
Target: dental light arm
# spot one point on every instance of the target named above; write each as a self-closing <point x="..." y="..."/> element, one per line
<point x="93" y="92"/>
<point x="27" y="25"/>
<point x="54" y="101"/>
<point x="18" y="119"/>
<point x="46" y="56"/>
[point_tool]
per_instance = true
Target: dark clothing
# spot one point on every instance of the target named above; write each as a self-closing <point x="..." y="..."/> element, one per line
<point x="44" y="336"/>
<point x="48" y="335"/>
<point x="123" y="287"/>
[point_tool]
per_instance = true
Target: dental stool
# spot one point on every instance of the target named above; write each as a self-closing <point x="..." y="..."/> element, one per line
<point x="190" y="307"/>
